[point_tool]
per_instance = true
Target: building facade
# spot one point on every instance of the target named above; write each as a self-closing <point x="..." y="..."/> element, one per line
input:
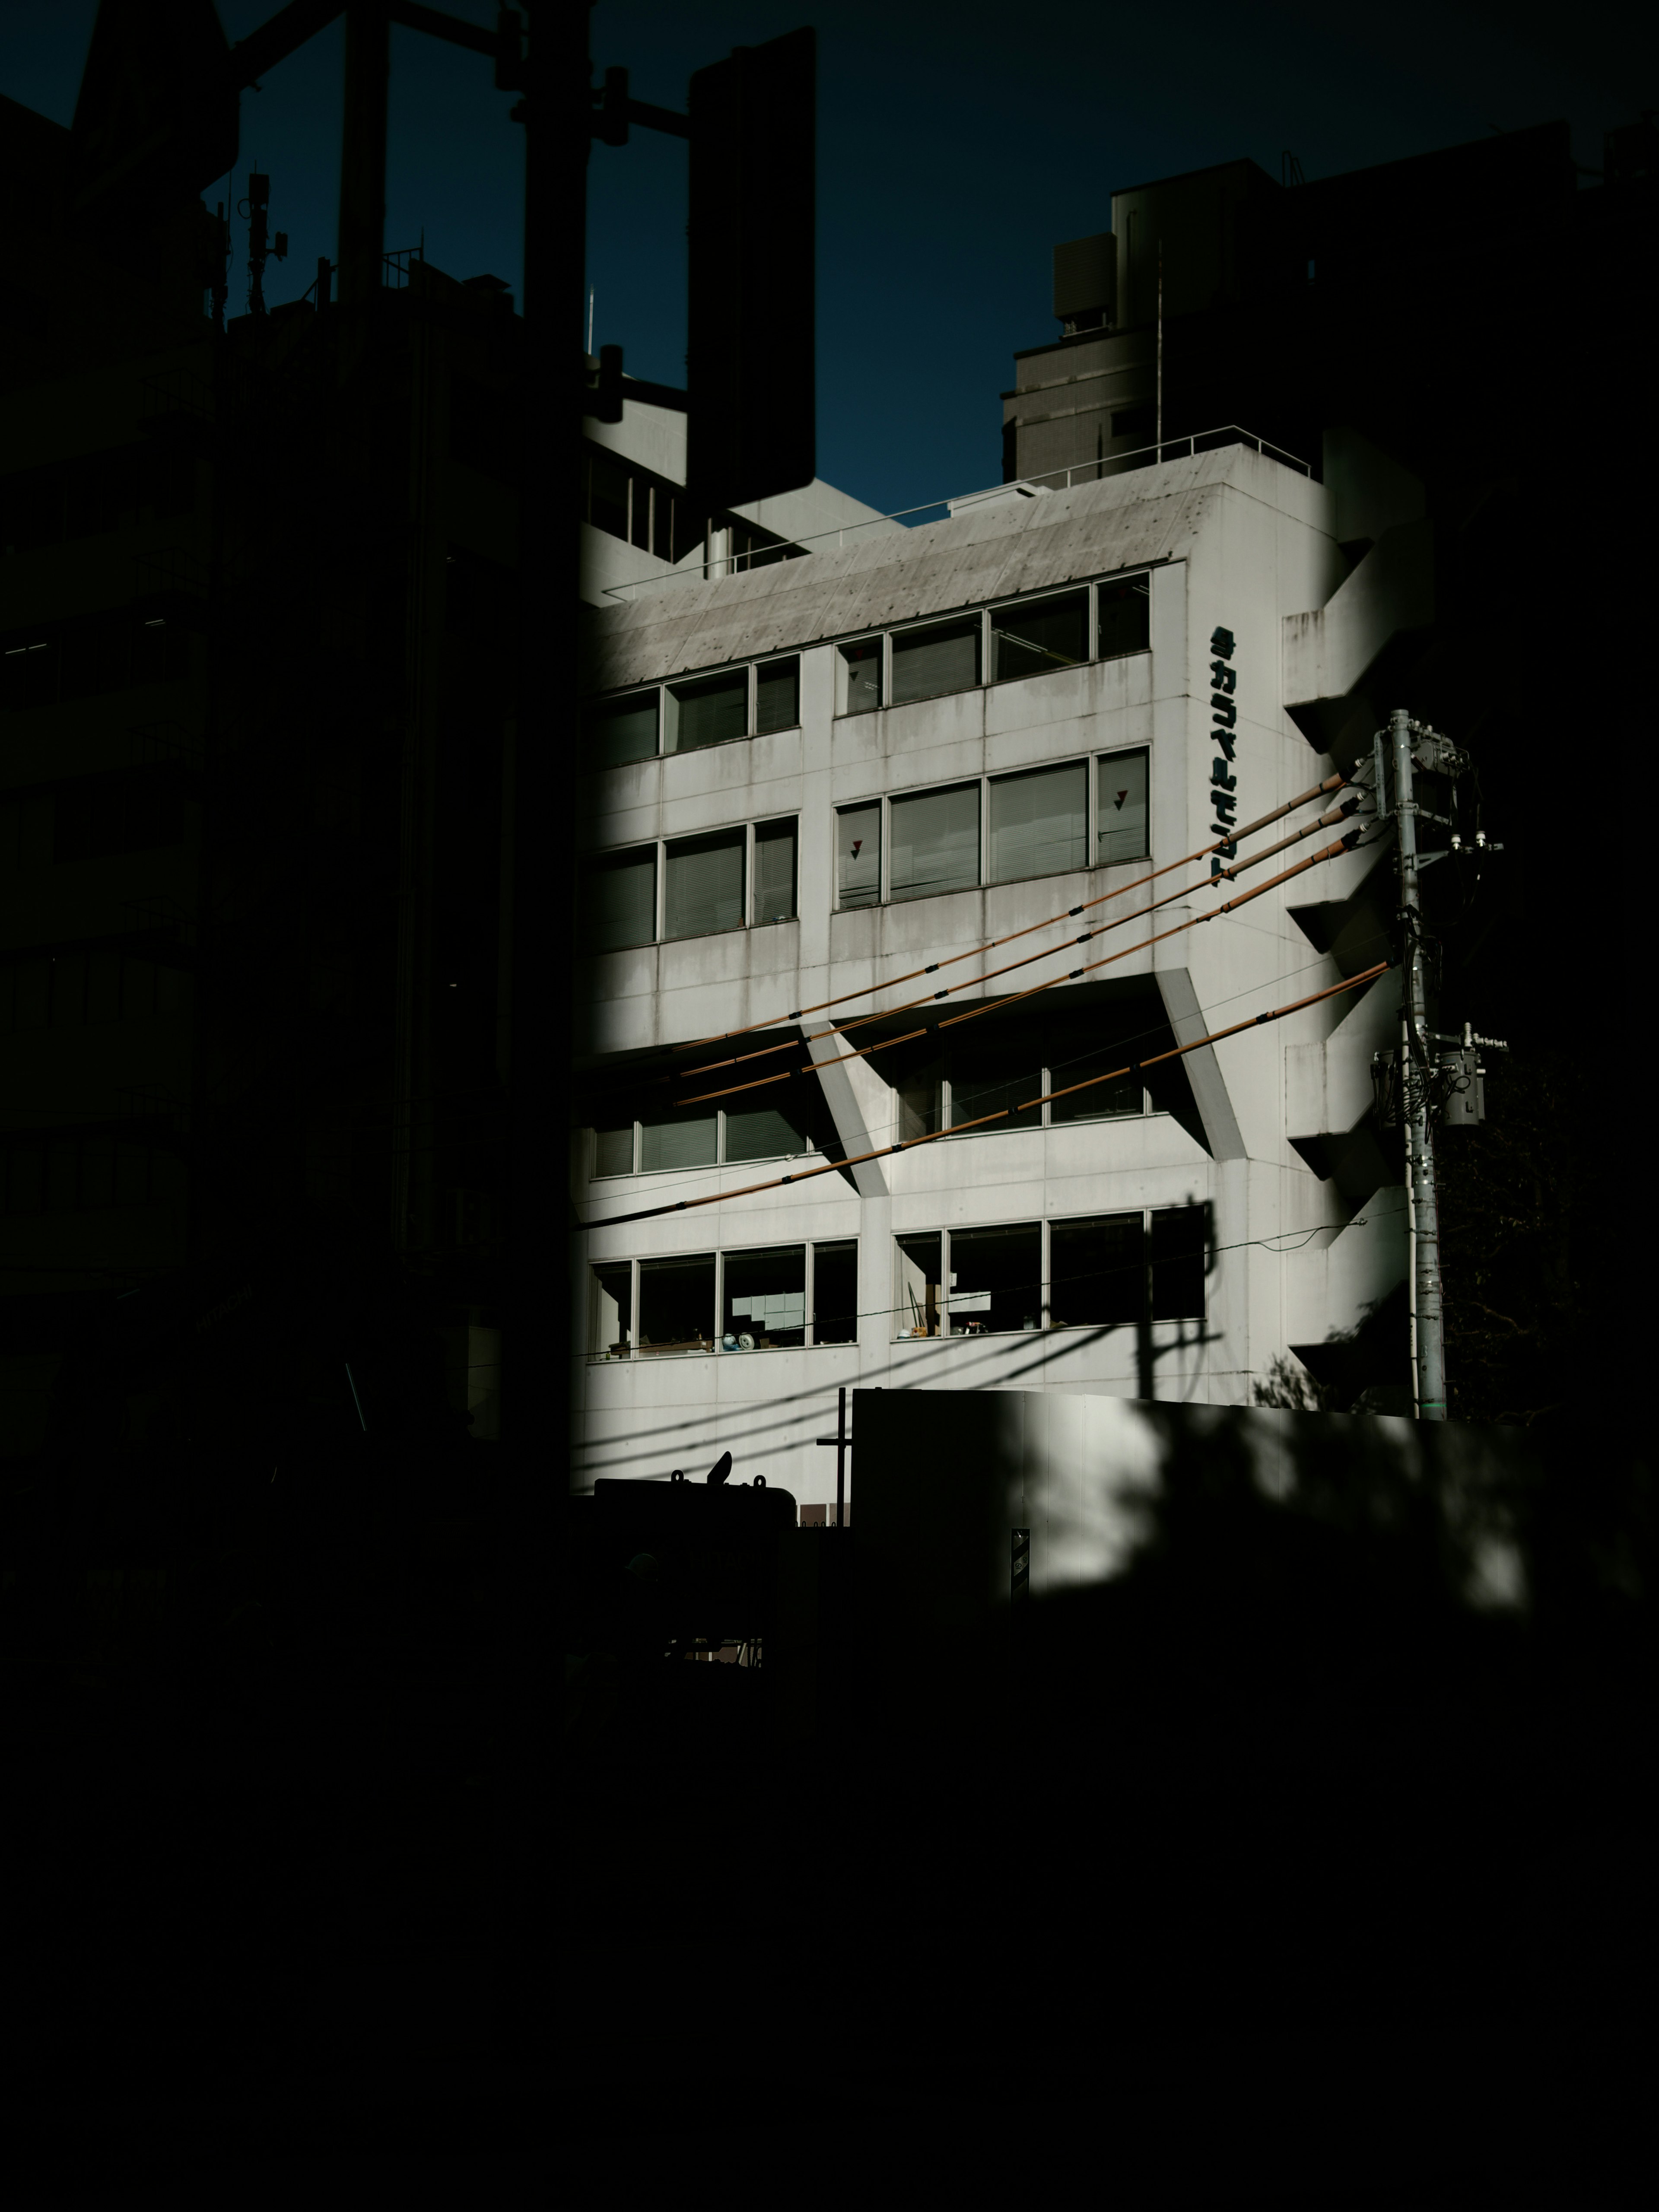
<point x="815" y="785"/>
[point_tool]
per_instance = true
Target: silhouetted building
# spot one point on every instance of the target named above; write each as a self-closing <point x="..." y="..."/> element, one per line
<point x="260" y="668"/>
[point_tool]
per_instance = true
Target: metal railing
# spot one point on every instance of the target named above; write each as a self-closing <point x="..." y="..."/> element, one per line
<point x="1187" y="447"/>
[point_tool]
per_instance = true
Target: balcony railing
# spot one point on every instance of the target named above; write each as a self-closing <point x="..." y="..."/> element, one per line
<point x="1081" y="472"/>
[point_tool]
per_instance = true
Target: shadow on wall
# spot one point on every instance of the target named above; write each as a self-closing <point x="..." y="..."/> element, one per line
<point x="1190" y="1565"/>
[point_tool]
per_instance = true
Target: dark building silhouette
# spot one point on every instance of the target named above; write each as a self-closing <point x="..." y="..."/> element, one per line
<point x="259" y="665"/>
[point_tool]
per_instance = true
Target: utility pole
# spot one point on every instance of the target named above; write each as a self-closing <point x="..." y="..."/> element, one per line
<point x="1417" y="1094"/>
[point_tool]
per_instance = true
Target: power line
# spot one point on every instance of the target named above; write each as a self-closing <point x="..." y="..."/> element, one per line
<point x="1340" y="845"/>
<point x="905" y="1144"/>
<point x="1221" y="844"/>
<point x="1377" y="938"/>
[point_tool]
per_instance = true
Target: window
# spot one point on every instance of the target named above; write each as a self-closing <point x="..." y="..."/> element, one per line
<point x="705" y="883"/>
<point x="622" y="900"/>
<point x="1177" y="1254"/>
<point x="1038" y="825"/>
<point x="677" y="1305"/>
<point x="935" y="843"/>
<point x="613" y="1150"/>
<point x="775" y="870"/>
<point x="1040" y="822"/>
<point x="762" y="1132"/>
<point x="921" y="1280"/>
<point x="857" y="855"/>
<point x="995" y="1279"/>
<point x="835" y="1293"/>
<point x="621" y="730"/>
<point x="958" y="1076"/>
<point x="930" y="661"/>
<point x="765" y="1299"/>
<point x="860" y="677"/>
<point x="777" y="696"/>
<point x="1124" y="618"/>
<point x="611" y="1326"/>
<point x="944" y="657"/>
<point x="680" y="1140"/>
<point x="1042" y="633"/>
<point x="988" y="1075"/>
<point x="1099" y="1102"/>
<point x="921" y="1102"/>
<point x="1121" y="834"/>
<point x="711" y="711"/>
<point x="1097" y="1271"/>
<point x="775" y="1297"/>
<point x="1107" y="1271"/>
<point x="658" y="1139"/>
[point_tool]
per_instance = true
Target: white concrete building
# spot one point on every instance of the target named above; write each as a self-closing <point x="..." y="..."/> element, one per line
<point x="812" y="781"/>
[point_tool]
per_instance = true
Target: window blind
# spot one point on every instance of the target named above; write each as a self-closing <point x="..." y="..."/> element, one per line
<point x="705" y="885"/>
<point x="622" y="730"/>
<point x="686" y="1141"/>
<point x="935" y="843"/>
<point x="777" y="696"/>
<point x="927" y="662"/>
<point x="775" y="870"/>
<point x="708" y="712"/>
<point x="1040" y="822"/>
<point x="623" y="901"/>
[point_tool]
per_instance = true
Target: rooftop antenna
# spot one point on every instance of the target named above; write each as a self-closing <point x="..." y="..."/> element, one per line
<point x="255" y="208"/>
<point x="590" y="323"/>
<point x="220" y="266"/>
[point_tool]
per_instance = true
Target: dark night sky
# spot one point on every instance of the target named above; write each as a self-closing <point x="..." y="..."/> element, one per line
<point x="957" y="143"/>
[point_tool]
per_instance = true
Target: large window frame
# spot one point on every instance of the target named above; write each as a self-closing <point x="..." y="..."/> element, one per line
<point x="720" y="1160"/>
<point x="938" y="1317"/>
<point x="1052" y="1079"/>
<point x="851" y="701"/>
<point x="762" y="678"/>
<point x="870" y="697"/>
<point x="628" y="1348"/>
<point x="1095" y="763"/>
<point x="661" y="849"/>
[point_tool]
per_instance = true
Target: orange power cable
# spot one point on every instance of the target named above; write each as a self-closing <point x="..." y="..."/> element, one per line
<point x="910" y="1143"/>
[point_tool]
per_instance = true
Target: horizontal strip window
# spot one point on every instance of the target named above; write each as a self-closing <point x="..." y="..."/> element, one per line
<point x="679" y="887"/>
<point x="973" y="1082"/>
<point x="1102" y="1272"/>
<point x="1034" y="637"/>
<point x="776" y="1297"/>
<point x="655" y="1140"/>
<point x="687" y="716"/>
<point x="1037" y="636"/>
<point x="996" y="829"/>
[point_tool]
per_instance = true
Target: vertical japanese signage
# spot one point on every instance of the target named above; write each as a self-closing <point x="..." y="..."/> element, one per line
<point x="1224" y="714"/>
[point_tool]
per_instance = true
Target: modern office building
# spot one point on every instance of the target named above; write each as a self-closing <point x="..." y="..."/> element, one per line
<point x="842" y="783"/>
